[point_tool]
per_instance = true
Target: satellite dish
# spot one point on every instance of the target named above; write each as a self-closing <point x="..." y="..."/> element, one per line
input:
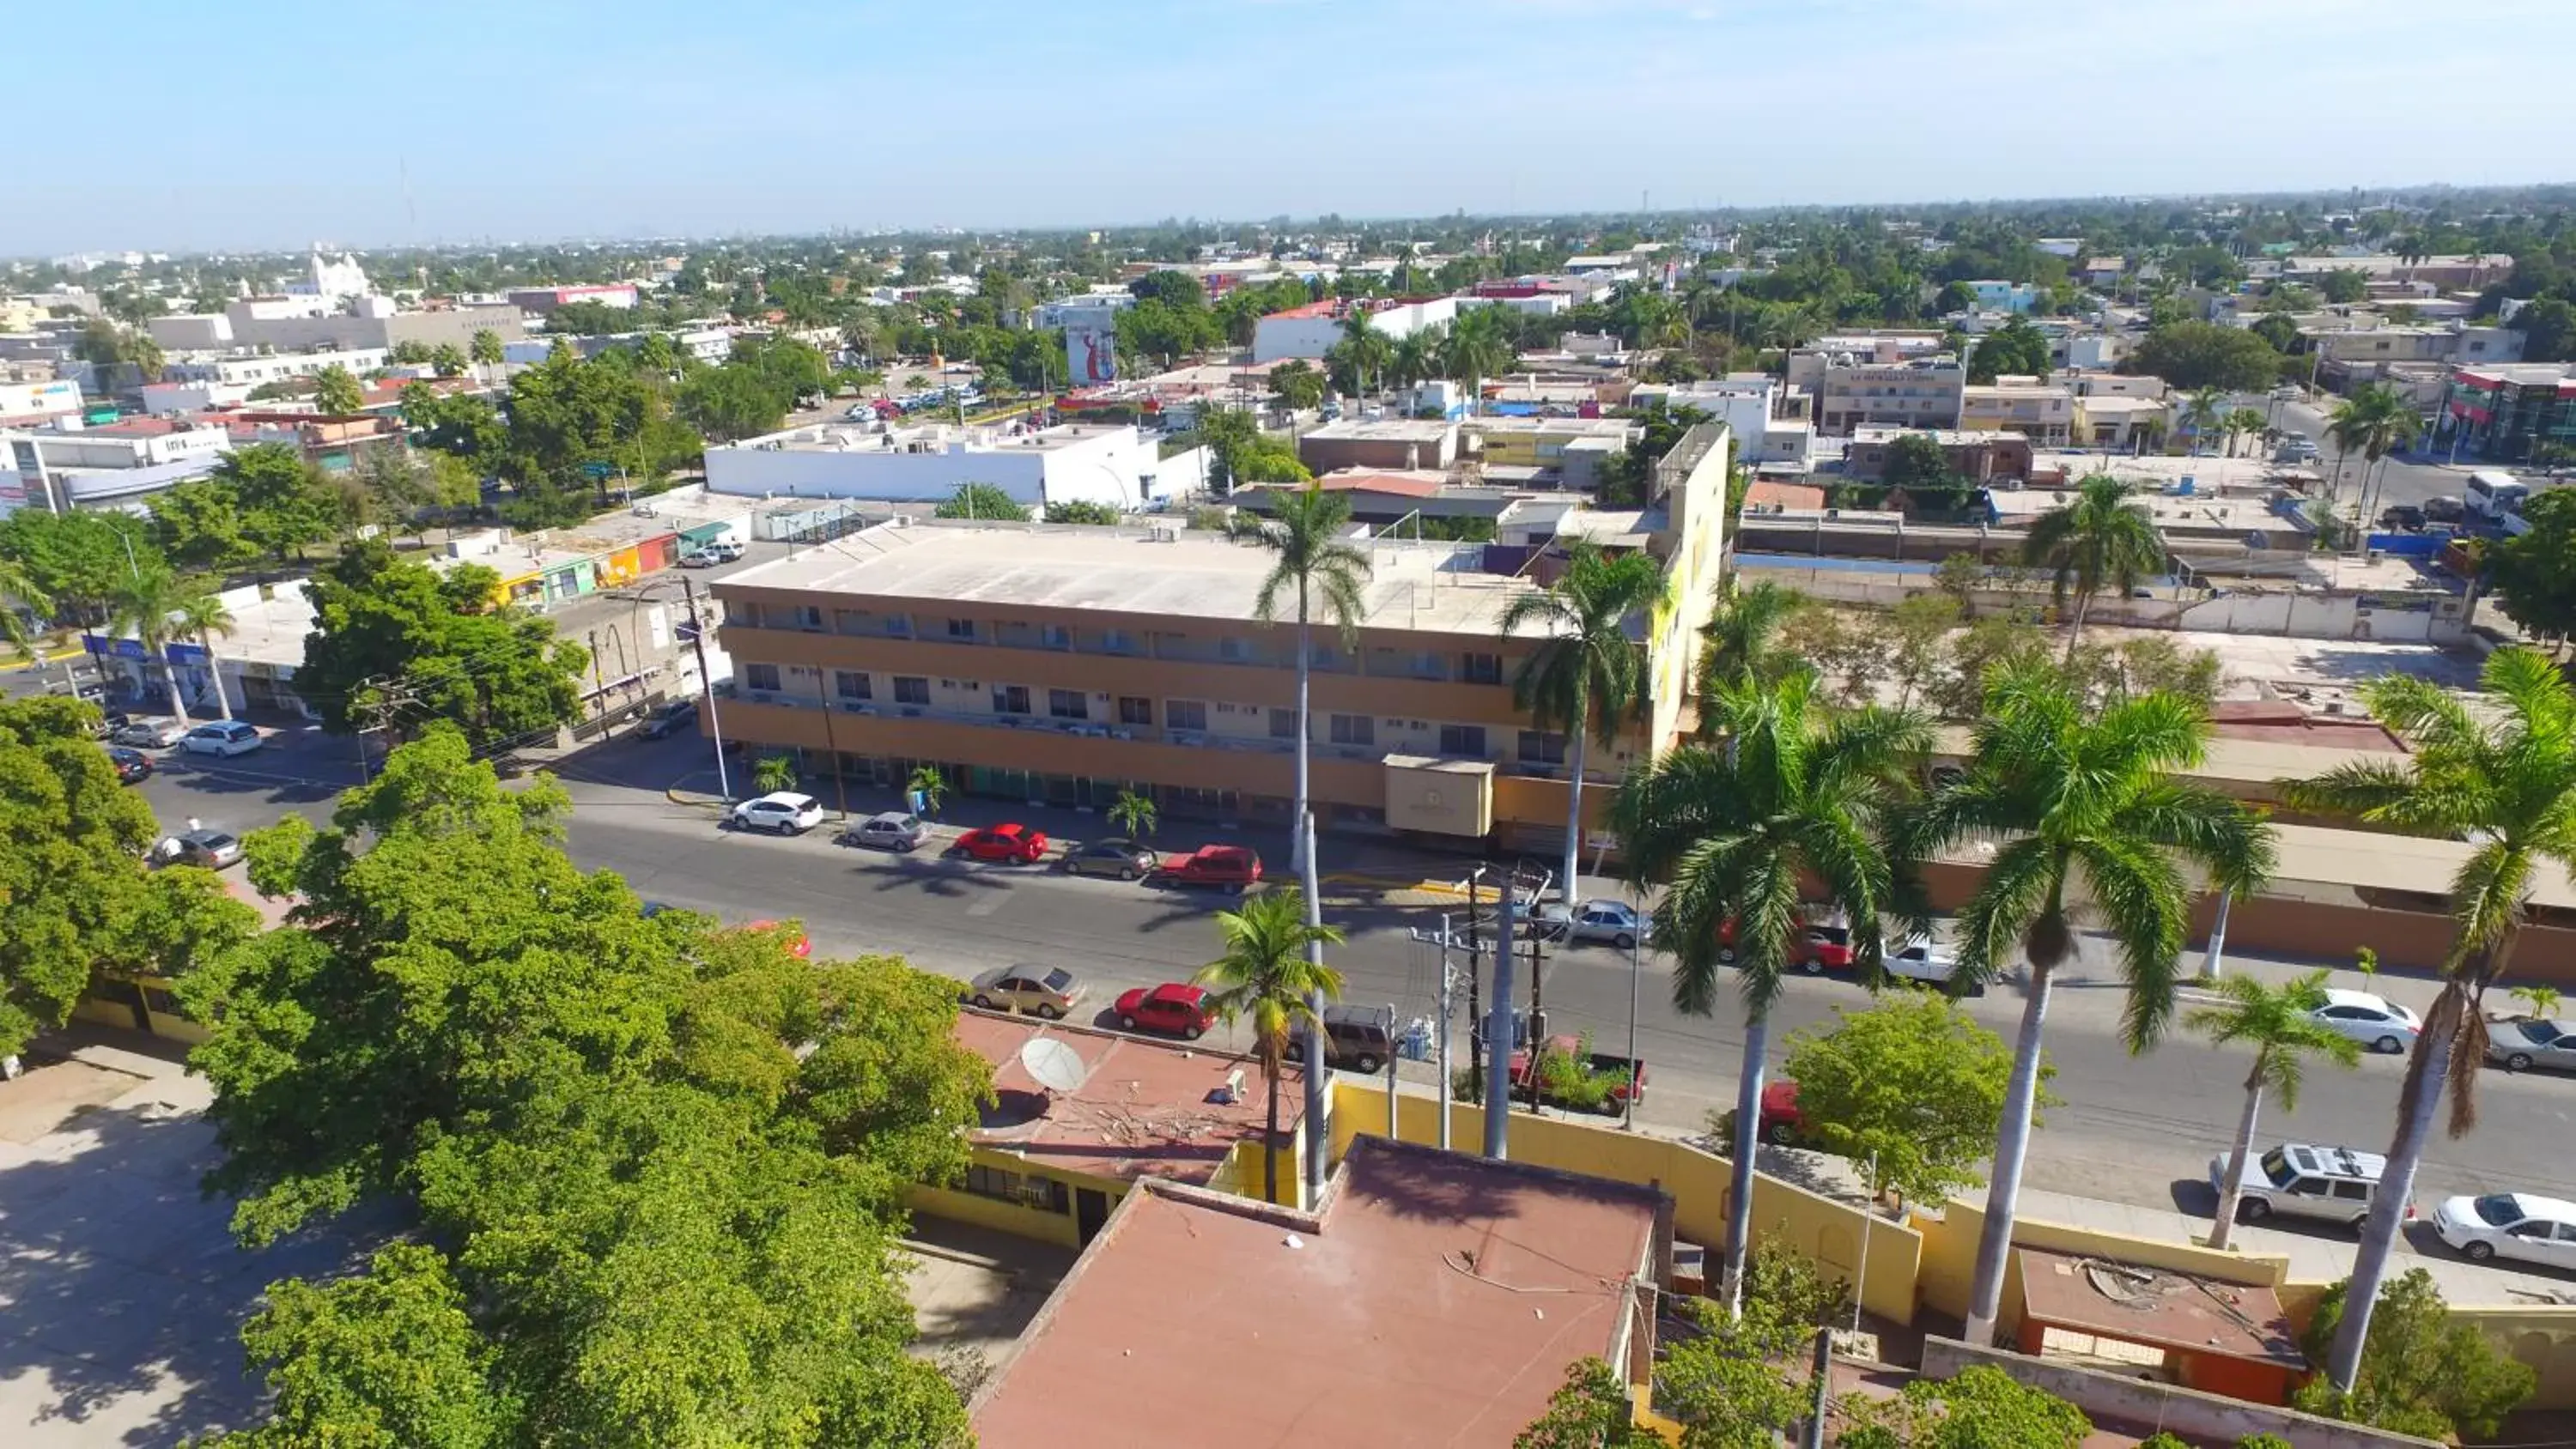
<point x="1052" y="1064"/>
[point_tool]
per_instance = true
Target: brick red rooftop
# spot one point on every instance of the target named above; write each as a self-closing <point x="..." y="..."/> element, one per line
<point x="1438" y="1301"/>
<point x="1142" y="1108"/>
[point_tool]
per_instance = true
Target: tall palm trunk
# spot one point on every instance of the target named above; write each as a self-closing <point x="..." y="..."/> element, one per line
<point x="1304" y="851"/>
<point x="1748" y="1138"/>
<point x="2234" y="1190"/>
<point x="1270" y="1137"/>
<point x="215" y="676"/>
<point x="2075" y="631"/>
<point x="160" y="650"/>
<point x="2003" y="1195"/>
<point x="1574" y="796"/>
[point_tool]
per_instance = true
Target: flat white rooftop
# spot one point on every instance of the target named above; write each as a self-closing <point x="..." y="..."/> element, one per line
<point x="1431" y="587"/>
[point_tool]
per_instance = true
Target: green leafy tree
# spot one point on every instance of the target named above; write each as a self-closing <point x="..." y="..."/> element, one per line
<point x="2425" y="1373"/>
<point x="1363" y="349"/>
<point x="2548" y="328"/>
<point x="773" y="773"/>
<point x="396" y="644"/>
<point x="2015" y="349"/>
<point x="2081" y="807"/>
<point x="198" y="525"/>
<point x="284" y="506"/>
<point x="2194" y="355"/>
<point x="1741" y="642"/>
<point x="2503" y="777"/>
<point x="2099" y="536"/>
<point x="1298" y="384"/>
<point x="1921" y="472"/>
<point x="145" y="609"/>
<point x="2533" y="573"/>
<point x="930" y="784"/>
<point x="733" y="401"/>
<point x="1101" y="515"/>
<point x="1590" y="1410"/>
<point x="1731" y="834"/>
<point x="1134" y="814"/>
<point x="337" y="393"/>
<point x="1919" y="644"/>
<point x="2278" y="331"/>
<point x="18" y="591"/>
<point x="461" y="425"/>
<point x="2344" y="285"/>
<point x="663" y="1161"/>
<point x="1913" y="1084"/>
<point x="78" y="559"/>
<point x="2276" y="1022"/>
<point x="1587" y="676"/>
<point x="447" y="360"/>
<point x="1272" y="974"/>
<point x="982" y="501"/>
<point x="484" y="347"/>
<point x="1980" y="1408"/>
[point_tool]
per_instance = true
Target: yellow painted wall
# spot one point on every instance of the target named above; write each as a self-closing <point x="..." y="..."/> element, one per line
<point x="2543" y="1337"/>
<point x="1949" y="1262"/>
<point x="1817" y="1227"/>
<point x="1001" y="1217"/>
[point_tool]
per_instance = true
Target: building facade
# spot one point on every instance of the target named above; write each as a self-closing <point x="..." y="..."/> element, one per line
<point x="2042" y="412"/>
<point x="1075" y="462"/>
<point x="2507" y="413"/>
<point x="1925" y="394"/>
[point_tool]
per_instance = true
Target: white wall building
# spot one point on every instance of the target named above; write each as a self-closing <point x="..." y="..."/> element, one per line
<point x="331" y="278"/>
<point x="25" y="404"/>
<point x="1310" y="331"/>
<point x="1076" y="462"/>
<point x="1746" y="403"/>
<point x="253" y="371"/>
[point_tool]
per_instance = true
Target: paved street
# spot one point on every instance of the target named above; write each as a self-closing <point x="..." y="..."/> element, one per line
<point x="2132" y="1129"/>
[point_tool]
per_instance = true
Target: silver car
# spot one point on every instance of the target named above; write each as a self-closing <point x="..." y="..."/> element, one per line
<point x="2521" y="1045"/>
<point x="892" y="830"/>
<point x="150" y="734"/>
<point x="210" y="849"/>
<point x="1613" y="923"/>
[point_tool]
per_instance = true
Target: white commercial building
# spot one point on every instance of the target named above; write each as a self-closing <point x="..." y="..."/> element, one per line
<point x="1310" y="331"/>
<point x="116" y="468"/>
<point x="1745" y="402"/>
<point x="26" y="404"/>
<point x="1073" y="463"/>
<point x="276" y="367"/>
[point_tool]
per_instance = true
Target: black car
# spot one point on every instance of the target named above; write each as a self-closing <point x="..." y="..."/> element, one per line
<point x="131" y="765"/>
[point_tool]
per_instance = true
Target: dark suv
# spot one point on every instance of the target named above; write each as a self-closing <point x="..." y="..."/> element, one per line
<point x="1357" y="1038"/>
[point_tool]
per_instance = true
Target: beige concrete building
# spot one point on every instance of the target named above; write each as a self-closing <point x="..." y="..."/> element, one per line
<point x="2043" y="412"/>
<point x="1924" y="394"/>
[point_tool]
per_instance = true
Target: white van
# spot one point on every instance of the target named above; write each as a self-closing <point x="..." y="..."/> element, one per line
<point x="2491" y="495"/>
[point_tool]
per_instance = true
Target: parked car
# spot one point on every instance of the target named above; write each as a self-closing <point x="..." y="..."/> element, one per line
<point x="1928" y="963"/>
<point x="1235" y="868"/>
<point x="889" y="830"/>
<point x="2519" y="1046"/>
<point x="220" y="737"/>
<point x="2404" y="517"/>
<point x="2373" y="1021"/>
<point x="1173" y="1008"/>
<point x="1113" y="855"/>
<point x="783" y="812"/>
<point x="714" y="551"/>
<point x="1782" y="1122"/>
<point x="1826" y="946"/>
<point x="697" y="558"/>
<point x="2297" y="1180"/>
<point x="212" y="849"/>
<point x="2445" y="508"/>
<point x="1615" y="923"/>
<point x="150" y="734"/>
<point x="1630" y="1075"/>
<point x="1046" y="991"/>
<point x="132" y="766"/>
<point x="1002" y="842"/>
<point x="1356" y="1038"/>
<point x="800" y="948"/>
<point x="668" y="718"/>
<point x="2509" y="1225"/>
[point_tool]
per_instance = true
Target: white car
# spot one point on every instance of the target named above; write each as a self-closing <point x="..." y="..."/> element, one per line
<point x="220" y="737"/>
<point x="783" y="812"/>
<point x="2510" y="1225"/>
<point x="1927" y="963"/>
<point x="2375" y="1022"/>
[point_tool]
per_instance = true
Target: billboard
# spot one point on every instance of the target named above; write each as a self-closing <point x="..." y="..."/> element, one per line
<point x="1091" y="350"/>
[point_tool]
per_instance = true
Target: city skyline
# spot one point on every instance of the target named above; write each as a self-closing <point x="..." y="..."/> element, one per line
<point x="581" y="122"/>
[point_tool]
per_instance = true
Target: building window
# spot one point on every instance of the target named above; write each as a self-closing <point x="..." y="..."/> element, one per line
<point x="851" y="621"/>
<point x="1283" y="724"/>
<point x="1118" y="641"/>
<point x="808" y="618"/>
<point x="1027" y="1189"/>
<point x="1467" y="740"/>
<point x="1184" y="714"/>
<point x="1354" y="729"/>
<point x="1542" y="749"/>
<point x="1068" y="704"/>
<point x="760" y="677"/>
<point x="1233" y="650"/>
<point x="1055" y="636"/>
<point x="1010" y="699"/>
<point x="899" y="625"/>
<point x="911" y="689"/>
<point x="961" y="629"/>
<point x="852" y="685"/>
<point x="1135" y="711"/>
<point x="1480" y="668"/>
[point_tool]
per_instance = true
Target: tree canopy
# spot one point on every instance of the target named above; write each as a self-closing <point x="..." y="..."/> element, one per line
<point x="2014" y="349"/>
<point x="1912" y="1083"/>
<point x="2534" y="573"/>
<point x="659" y="1164"/>
<point x="2194" y="355"/>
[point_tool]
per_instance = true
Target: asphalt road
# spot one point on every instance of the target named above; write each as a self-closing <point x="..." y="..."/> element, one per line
<point x="2135" y="1129"/>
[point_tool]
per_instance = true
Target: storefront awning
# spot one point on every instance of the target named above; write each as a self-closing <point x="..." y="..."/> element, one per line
<point x="703" y="532"/>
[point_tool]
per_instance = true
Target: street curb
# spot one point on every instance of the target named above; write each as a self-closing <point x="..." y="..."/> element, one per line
<point x="680" y="797"/>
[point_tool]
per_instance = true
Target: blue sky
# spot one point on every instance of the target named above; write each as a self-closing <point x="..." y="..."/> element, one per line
<point x="281" y="122"/>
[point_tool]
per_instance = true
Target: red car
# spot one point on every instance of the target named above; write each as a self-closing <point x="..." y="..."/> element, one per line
<point x="1236" y="868"/>
<point x="1172" y="1008"/>
<point x="1003" y="842"/>
<point x="1781" y="1121"/>
<point x="1825" y="947"/>
<point x="800" y="948"/>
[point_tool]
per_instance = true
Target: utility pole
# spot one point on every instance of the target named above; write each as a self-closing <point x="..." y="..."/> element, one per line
<point x="831" y="745"/>
<point x="1444" y="1031"/>
<point x="2212" y="967"/>
<point x="697" y="625"/>
<point x="1498" y="1036"/>
<point x="1636" y="969"/>
<point x="1538" y="1001"/>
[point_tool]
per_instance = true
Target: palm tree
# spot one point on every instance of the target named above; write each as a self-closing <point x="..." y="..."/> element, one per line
<point x="143" y="606"/>
<point x="2096" y="537"/>
<point x="1366" y="347"/>
<point x="928" y="782"/>
<point x="1304" y="532"/>
<point x="1134" y="814"/>
<point x="1732" y="833"/>
<point x="772" y="773"/>
<point x="2275" y="1021"/>
<point x="2240" y="423"/>
<point x="1741" y="640"/>
<point x="1414" y="358"/>
<point x="199" y="613"/>
<point x="2087" y="820"/>
<point x="2504" y="779"/>
<point x="484" y="346"/>
<point x="15" y="585"/>
<point x="1588" y="673"/>
<point x="2375" y="421"/>
<point x="1273" y="972"/>
<point x="1474" y="350"/>
<point x="2202" y="412"/>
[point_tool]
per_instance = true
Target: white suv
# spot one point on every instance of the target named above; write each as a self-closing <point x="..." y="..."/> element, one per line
<point x="2295" y="1180"/>
<point x="220" y="737"/>
<point x="783" y="811"/>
